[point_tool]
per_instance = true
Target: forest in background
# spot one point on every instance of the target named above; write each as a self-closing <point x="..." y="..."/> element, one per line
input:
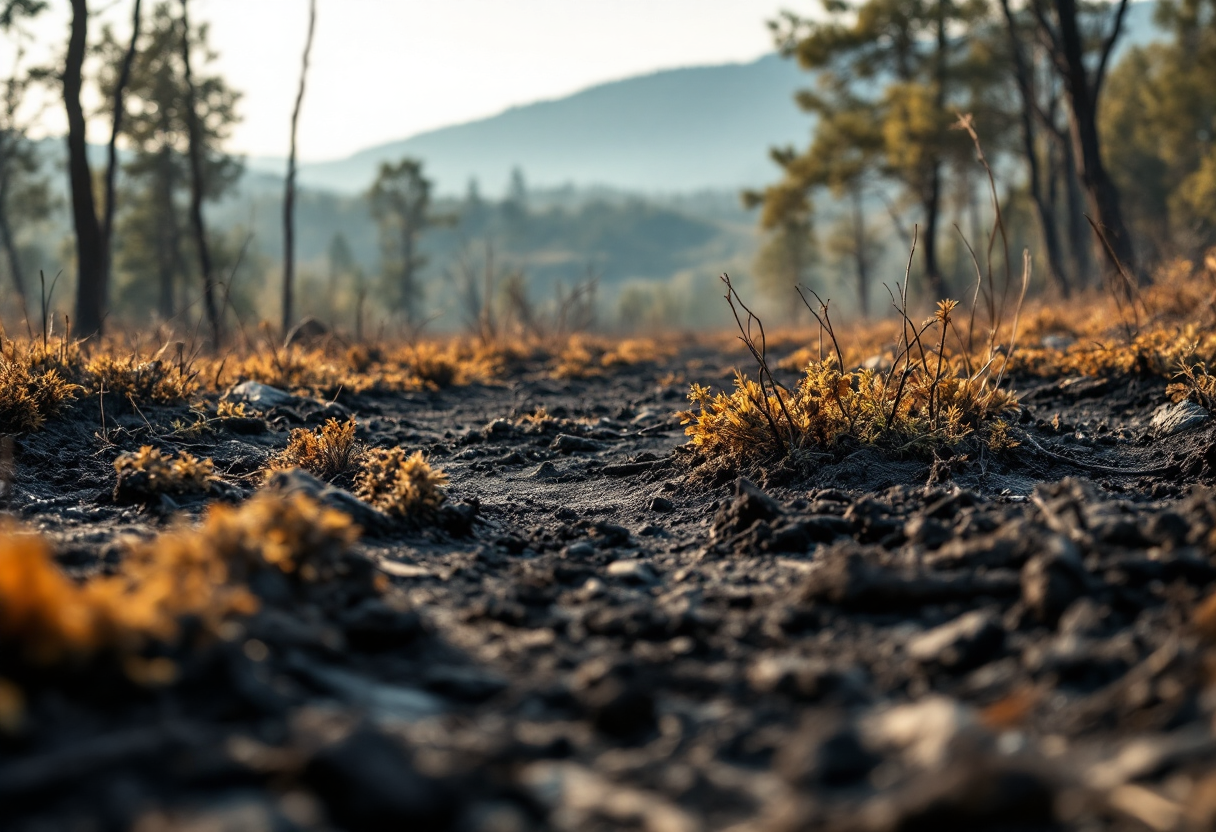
<point x="1072" y="124"/>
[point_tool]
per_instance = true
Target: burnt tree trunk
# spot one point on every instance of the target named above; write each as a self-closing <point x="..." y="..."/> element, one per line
<point x="1083" y="91"/>
<point x="861" y="259"/>
<point x="90" y="288"/>
<point x="10" y="250"/>
<point x="107" y="220"/>
<point x="1044" y="203"/>
<point x="289" y="189"/>
<point x="197" y="189"/>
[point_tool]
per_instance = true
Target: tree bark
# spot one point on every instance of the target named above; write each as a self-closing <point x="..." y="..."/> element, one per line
<point x="289" y="189"/>
<point x="197" y="189"/>
<point x="90" y="297"/>
<point x="933" y="196"/>
<point x="120" y="89"/>
<point x="1044" y="203"/>
<point x="168" y="242"/>
<point x="859" y="253"/>
<point x="10" y="247"/>
<point x="1083" y="94"/>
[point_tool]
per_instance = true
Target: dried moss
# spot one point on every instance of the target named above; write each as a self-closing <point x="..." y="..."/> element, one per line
<point x="400" y="484"/>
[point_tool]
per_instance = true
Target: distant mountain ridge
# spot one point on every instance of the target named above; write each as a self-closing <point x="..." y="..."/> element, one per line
<point x="674" y="131"/>
<point x="680" y="130"/>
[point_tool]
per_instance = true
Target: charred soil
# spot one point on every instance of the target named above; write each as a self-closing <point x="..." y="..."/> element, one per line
<point x="601" y="629"/>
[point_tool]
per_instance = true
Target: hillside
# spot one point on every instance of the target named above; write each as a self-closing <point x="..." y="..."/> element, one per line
<point x="680" y="130"/>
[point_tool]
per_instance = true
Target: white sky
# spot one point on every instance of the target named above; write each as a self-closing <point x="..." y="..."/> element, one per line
<point x="387" y="69"/>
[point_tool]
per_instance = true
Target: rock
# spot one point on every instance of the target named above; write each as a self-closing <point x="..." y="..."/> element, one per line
<point x="546" y="471"/>
<point x="296" y="481"/>
<point x="974" y="792"/>
<point x="568" y="444"/>
<point x="1057" y="341"/>
<point x="369" y="782"/>
<point x="580" y="550"/>
<point x="307" y="333"/>
<point x="617" y="702"/>
<point x="661" y="504"/>
<point x="927" y="531"/>
<point x="632" y="571"/>
<point x="1053" y="580"/>
<point x="968" y="641"/>
<point x="261" y="395"/>
<point x="499" y="428"/>
<point x="926" y="733"/>
<point x="826" y="751"/>
<point x="877" y="363"/>
<point x="748" y="506"/>
<point x="843" y="576"/>
<point x="373" y="625"/>
<point x="1171" y="419"/>
<point x="806" y="678"/>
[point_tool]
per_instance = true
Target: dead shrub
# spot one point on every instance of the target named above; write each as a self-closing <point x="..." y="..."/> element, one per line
<point x="329" y="452"/>
<point x="147" y="473"/>
<point x="401" y="485"/>
<point x="196" y="573"/>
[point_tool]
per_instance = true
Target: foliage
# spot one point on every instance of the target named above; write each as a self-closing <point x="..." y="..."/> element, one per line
<point x="1159" y="130"/>
<point x="153" y="247"/>
<point x="149" y="473"/>
<point x="133" y="379"/>
<point x="329" y="452"/>
<point x="402" y="485"/>
<point x="30" y="392"/>
<point x="400" y="201"/>
<point x="199" y="574"/>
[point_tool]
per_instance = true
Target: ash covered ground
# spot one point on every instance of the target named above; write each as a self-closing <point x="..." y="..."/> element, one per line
<point x="605" y="631"/>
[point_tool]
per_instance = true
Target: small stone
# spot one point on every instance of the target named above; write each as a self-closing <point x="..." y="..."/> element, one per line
<point x="661" y="504"/>
<point x="582" y="549"/>
<point x="369" y="782"/>
<point x="749" y="506"/>
<point x="499" y="427"/>
<point x="825" y="751"/>
<point x="632" y="571"/>
<point x="1057" y="341"/>
<point x="546" y="471"/>
<point x="1053" y="580"/>
<point x="1171" y="419"/>
<point x="568" y="444"/>
<point x="262" y="395"/>
<point x="968" y="641"/>
<point x="927" y="531"/>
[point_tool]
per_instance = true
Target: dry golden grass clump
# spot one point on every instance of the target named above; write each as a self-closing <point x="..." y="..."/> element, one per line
<point x="149" y="473"/>
<point x="582" y="356"/>
<point x="30" y="394"/>
<point x="329" y="452"/>
<point x="925" y="401"/>
<point x="401" y="485"/>
<point x="135" y="380"/>
<point x="198" y="573"/>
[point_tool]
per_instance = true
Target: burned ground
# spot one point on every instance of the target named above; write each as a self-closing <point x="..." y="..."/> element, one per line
<point x="602" y="630"/>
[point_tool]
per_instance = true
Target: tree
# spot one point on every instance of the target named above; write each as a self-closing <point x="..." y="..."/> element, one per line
<point x="1159" y="127"/>
<point x="92" y="232"/>
<point x="400" y="201"/>
<point x="90" y="289"/>
<point x="891" y="75"/>
<point x="195" y="150"/>
<point x="289" y="188"/>
<point x="1059" y="26"/>
<point x="154" y="253"/>
<point x="23" y="194"/>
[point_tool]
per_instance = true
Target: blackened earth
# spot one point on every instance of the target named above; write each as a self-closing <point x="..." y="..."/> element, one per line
<point x="605" y="631"/>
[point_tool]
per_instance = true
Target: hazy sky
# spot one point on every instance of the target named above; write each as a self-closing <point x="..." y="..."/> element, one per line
<point x="386" y="69"/>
